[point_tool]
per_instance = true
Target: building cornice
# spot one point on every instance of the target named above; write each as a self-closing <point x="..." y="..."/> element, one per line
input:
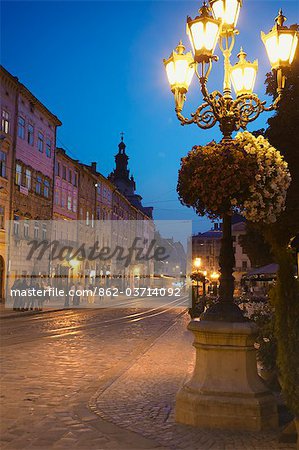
<point x="28" y="94"/>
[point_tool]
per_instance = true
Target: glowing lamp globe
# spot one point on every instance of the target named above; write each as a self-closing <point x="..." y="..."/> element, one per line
<point x="281" y="43"/>
<point x="227" y="11"/>
<point x="243" y="75"/>
<point x="179" y="69"/>
<point x="203" y="32"/>
<point x="197" y="262"/>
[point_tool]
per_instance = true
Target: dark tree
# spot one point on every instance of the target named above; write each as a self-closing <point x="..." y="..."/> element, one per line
<point x="283" y="134"/>
<point x="256" y="247"/>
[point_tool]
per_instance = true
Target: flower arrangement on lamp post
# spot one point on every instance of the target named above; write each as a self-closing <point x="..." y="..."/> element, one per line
<point x="244" y="175"/>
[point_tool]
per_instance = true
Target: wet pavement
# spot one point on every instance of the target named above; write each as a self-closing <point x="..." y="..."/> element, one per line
<point x="101" y="379"/>
<point x="51" y="365"/>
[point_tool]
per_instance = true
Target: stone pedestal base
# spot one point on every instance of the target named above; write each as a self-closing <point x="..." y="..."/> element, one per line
<point x="225" y="390"/>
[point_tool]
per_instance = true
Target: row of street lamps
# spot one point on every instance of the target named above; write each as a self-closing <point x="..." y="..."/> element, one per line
<point x="217" y="23"/>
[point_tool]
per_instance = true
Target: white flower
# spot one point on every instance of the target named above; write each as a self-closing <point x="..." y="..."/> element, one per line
<point x="267" y="195"/>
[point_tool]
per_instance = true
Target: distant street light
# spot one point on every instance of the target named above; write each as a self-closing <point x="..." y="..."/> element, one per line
<point x="197" y="262"/>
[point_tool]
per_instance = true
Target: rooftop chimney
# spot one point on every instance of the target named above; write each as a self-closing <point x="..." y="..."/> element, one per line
<point x="94" y="166"/>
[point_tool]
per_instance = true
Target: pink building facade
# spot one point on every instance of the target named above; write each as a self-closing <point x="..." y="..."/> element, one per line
<point x="9" y="98"/>
<point x="34" y="158"/>
<point x="66" y="187"/>
<point x="28" y="135"/>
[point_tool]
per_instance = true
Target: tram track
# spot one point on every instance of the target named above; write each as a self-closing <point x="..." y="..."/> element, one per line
<point x="15" y="336"/>
<point x="47" y="316"/>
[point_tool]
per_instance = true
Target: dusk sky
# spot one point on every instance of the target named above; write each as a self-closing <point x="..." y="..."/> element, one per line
<point x="98" y="67"/>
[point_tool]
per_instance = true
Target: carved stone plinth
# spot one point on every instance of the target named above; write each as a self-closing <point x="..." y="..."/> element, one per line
<point x="225" y="390"/>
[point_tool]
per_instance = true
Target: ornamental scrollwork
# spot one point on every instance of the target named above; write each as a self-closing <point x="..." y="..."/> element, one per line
<point x="204" y="116"/>
<point x="247" y="108"/>
<point x="230" y="114"/>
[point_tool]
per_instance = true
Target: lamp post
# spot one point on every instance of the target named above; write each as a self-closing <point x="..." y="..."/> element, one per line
<point x="197" y="264"/>
<point x="225" y="390"/>
<point x="217" y="22"/>
<point x="215" y="277"/>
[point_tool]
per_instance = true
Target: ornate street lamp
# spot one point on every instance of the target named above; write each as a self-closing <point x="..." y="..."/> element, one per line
<point x="231" y="114"/>
<point x="233" y="397"/>
<point x="243" y="75"/>
<point x="180" y="70"/>
<point x="281" y="43"/>
<point x="203" y="32"/>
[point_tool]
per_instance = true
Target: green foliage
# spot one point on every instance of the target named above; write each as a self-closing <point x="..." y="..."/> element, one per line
<point x="283" y="134"/>
<point x="255" y="246"/>
<point x="285" y="299"/>
<point x="267" y="351"/>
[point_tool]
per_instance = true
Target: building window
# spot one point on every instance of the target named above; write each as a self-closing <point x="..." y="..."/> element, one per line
<point x="69" y="202"/>
<point x="63" y="199"/>
<point x="2" y="218"/>
<point x="28" y="179"/>
<point x="64" y="172"/>
<point x="38" y="186"/>
<point x="56" y="197"/>
<point x="26" y="229"/>
<point x="48" y="147"/>
<point x="57" y="169"/>
<point x="40" y="142"/>
<point x="18" y="174"/>
<point x="3" y="164"/>
<point x="46" y="188"/>
<point x="75" y="179"/>
<point x="30" y="136"/>
<point x="70" y="175"/>
<point x="21" y="127"/>
<point x="74" y="204"/>
<point x="36" y="230"/>
<point x="5" y="121"/>
<point x="16" y="225"/>
<point x="87" y="217"/>
<point x="44" y="231"/>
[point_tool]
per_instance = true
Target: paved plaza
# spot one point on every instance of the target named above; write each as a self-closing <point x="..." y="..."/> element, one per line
<point x="102" y="379"/>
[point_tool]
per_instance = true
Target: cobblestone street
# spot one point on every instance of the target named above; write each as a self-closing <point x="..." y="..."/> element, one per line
<point x="143" y="400"/>
<point x="100" y="379"/>
<point x="51" y="365"/>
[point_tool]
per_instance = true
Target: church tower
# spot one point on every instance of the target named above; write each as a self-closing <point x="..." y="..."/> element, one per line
<point x="125" y="183"/>
<point x="121" y="174"/>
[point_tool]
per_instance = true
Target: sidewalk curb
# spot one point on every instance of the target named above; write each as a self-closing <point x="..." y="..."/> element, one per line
<point x="92" y="404"/>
